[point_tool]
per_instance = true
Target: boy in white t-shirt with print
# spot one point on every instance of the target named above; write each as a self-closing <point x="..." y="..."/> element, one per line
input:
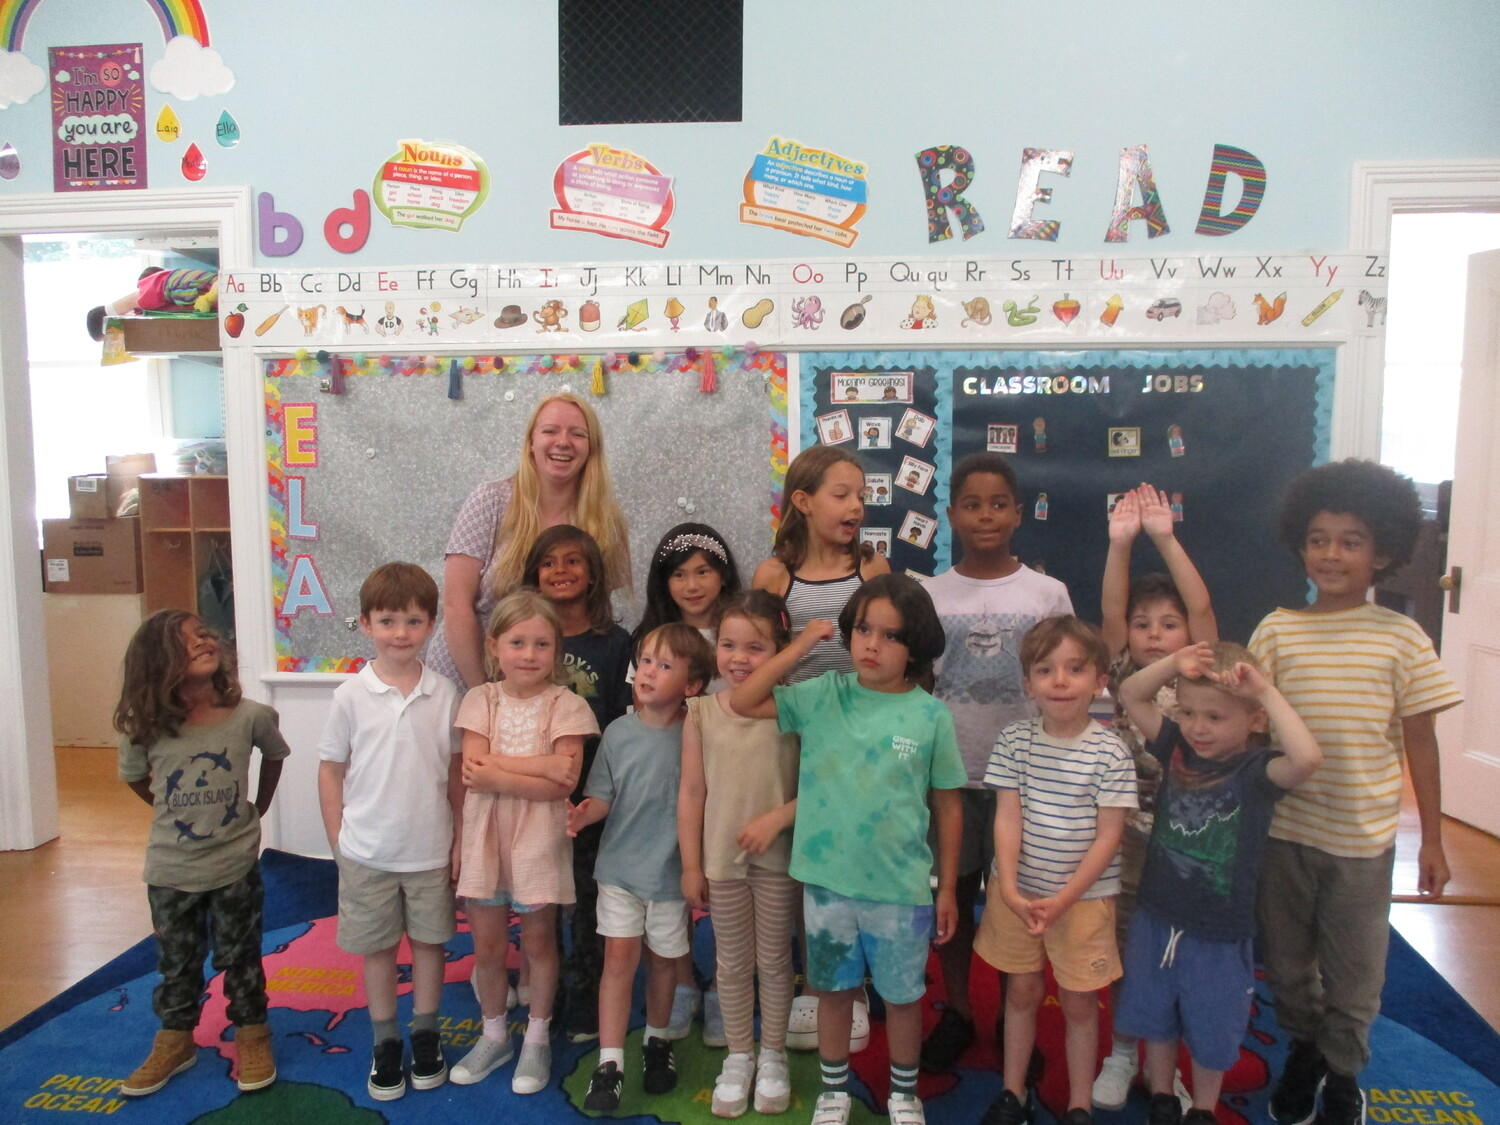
<point x="391" y="793"/>
<point x="986" y="602"/>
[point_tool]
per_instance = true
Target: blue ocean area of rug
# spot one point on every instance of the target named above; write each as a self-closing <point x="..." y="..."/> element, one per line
<point x="1434" y="1060"/>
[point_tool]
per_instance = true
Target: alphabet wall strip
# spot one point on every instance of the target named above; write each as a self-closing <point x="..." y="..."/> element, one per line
<point x="854" y="304"/>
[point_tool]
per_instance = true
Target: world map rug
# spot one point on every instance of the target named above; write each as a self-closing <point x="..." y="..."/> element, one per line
<point x="1435" y="1061"/>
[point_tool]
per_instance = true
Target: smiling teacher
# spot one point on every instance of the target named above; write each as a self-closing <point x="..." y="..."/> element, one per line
<point x="562" y="478"/>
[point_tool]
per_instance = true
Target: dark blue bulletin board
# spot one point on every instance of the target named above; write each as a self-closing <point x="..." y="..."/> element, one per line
<point x="1225" y="429"/>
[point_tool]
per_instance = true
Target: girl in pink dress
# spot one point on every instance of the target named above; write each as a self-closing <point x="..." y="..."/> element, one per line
<point x="522" y="746"/>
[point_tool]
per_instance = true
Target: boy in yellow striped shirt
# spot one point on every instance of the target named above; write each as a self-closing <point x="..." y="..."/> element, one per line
<point x="1367" y="683"/>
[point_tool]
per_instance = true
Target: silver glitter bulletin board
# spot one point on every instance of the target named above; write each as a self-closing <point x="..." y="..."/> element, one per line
<point x="370" y="458"/>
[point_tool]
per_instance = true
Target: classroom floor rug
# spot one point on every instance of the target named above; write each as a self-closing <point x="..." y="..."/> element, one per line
<point x="1435" y="1061"/>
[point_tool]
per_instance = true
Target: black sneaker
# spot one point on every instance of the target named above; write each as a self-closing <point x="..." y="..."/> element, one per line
<point x="581" y="1018"/>
<point x="387" y="1075"/>
<point x="1078" y="1116"/>
<point x="1007" y="1110"/>
<point x="1295" y="1099"/>
<point x="1164" y="1109"/>
<point x="428" y="1067"/>
<point x="604" y="1089"/>
<point x="1343" y="1101"/>
<point x="952" y="1036"/>
<point x="1199" y="1117"/>
<point x="661" y="1068"/>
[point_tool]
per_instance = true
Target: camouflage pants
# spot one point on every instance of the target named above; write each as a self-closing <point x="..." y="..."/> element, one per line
<point x="184" y="921"/>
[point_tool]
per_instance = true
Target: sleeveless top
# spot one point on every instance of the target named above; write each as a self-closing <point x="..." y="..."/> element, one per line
<point x="826" y="599"/>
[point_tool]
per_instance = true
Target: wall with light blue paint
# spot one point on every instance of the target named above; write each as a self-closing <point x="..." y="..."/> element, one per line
<point x="1308" y="86"/>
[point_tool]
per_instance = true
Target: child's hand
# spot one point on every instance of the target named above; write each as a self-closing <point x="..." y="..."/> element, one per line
<point x="695" y="889"/>
<point x="1044" y="913"/>
<point x="1125" y="520"/>
<point x="1195" y="662"/>
<point x="946" y="917"/>
<point x="1156" y="512"/>
<point x="473" y="773"/>
<point x="1020" y="906"/>
<point x="455" y="861"/>
<point x="577" y="816"/>
<point x="759" y="834"/>
<point x="1244" y="680"/>
<point x="560" y="768"/>
<point x="816" y="630"/>
<point x="1432" y="870"/>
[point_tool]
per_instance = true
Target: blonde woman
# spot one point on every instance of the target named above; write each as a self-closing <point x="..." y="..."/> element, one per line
<point x="562" y="478"/>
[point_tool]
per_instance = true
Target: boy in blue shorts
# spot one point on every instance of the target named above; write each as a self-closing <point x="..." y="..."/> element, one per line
<point x="391" y="791"/>
<point x="1189" y="967"/>
<point x="1065" y="784"/>
<point x="875" y="749"/>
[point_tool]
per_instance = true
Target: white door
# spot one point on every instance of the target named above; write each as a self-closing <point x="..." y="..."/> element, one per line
<point x="1470" y="735"/>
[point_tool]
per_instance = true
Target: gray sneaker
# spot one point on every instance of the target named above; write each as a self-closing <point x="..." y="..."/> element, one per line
<point x="685" y="1002"/>
<point x="482" y="1058"/>
<point x="533" y="1068"/>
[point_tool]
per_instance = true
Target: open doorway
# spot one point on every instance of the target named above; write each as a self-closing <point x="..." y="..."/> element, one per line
<point x="28" y="794"/>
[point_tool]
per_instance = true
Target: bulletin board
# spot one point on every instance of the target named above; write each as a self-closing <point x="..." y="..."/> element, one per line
<point x="1221" y="431"/>
<point x="369" y="460"/>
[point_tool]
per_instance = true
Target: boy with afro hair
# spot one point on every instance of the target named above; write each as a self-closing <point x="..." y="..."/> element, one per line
<point x="1367" y="682"/>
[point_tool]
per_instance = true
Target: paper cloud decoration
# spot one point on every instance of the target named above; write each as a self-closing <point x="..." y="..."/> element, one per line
<point x="20" y="78"/>
<point x="188" y="70"/>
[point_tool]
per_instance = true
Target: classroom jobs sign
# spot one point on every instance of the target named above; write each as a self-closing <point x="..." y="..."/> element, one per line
<point x="98" y="118"/>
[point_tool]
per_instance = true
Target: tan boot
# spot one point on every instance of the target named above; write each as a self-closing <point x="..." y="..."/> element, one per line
<point x="257" y="1066"/>
<point x="171" y="1054"/>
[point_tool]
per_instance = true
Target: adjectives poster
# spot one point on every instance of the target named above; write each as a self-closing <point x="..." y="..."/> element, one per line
<point x="806" y="191"/>
<point x="98" y="118"/>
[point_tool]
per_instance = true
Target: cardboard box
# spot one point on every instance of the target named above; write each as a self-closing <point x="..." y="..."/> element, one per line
<point x="124" y="471"/>
<point x="92" y="556"/>
<point x="88" y="497"/>
<point x="170" y="334"/>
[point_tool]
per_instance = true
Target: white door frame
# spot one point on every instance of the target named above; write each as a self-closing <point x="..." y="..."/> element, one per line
<point x="28" y="781"/>
<point x="1380" y="190"/>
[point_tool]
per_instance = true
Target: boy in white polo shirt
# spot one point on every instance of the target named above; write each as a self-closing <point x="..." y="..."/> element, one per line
<point x="391" y="792"/>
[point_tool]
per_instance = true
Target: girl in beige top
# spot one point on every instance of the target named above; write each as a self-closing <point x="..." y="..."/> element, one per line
<point x="735" y="811"/>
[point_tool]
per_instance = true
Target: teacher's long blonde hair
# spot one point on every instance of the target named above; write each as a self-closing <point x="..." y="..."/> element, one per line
<point x="594" y="508"/>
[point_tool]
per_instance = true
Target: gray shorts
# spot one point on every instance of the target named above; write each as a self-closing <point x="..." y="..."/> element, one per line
<point x="377" y="907"/>
<point x="976" y="844"/>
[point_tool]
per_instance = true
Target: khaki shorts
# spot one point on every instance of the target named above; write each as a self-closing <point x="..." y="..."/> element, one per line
<point x="1080" y="945"/>
<point x="377" y="907"/>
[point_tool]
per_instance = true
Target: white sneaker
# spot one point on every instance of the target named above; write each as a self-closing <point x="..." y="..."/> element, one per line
<point x="1112" y="1087"/>
<point x="713" y="1020"/>
<point x="533" y="1069"/>
<point x="773" y="1082"/>
<point x="732" y="1087"/>
<point x="1181" y="1090"/>
<point x="802" y="1024"/>
<point x="859" y="1027"/>
<point x="510" y="990"/>
<point x="832" y="1108"/>
<point x="906" y="1109"/>
<point x="685" y="1002"/>
<point x="482" y="1058"/>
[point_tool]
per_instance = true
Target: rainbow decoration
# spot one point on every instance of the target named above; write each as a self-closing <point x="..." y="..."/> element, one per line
<point x="177" y="17"/>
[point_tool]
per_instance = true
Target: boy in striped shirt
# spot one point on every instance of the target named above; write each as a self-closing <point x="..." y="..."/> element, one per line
<point x="1065" y="784"/>
<point x="1367" y="682"/>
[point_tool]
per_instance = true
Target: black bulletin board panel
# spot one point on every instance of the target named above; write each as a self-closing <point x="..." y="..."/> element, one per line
<point x="1245" y="423"/>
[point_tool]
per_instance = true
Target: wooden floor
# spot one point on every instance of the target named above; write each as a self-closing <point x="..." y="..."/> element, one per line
<point x="74" y="904"/>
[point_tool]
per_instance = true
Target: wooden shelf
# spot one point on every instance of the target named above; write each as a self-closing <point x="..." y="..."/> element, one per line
<point x="183" y="521"/>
